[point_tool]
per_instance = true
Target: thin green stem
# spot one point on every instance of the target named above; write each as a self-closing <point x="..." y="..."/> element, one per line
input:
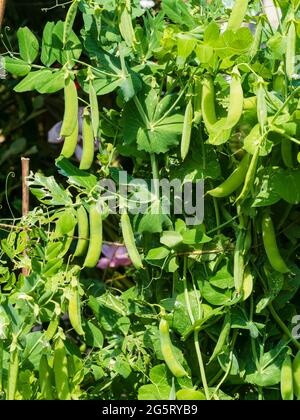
<point x="201" y="364"/>
<point x="283" y="327"/>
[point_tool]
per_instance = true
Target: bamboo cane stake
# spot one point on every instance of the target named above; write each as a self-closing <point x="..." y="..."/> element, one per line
<point x="2" y="9"/>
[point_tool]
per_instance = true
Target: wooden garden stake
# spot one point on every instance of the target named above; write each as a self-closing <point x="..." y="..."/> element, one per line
<point x="25" y="196"/>
<point x="2" y="9"/>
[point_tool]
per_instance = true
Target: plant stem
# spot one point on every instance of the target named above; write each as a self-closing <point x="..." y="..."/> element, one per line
<point x="201" y="364"/>
<point x="283" y="326"/>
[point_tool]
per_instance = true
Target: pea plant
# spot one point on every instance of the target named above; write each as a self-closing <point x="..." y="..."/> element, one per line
<point x="121" y="304"/>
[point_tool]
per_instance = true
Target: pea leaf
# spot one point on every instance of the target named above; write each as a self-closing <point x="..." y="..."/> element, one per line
<point x="47" y="190"/>
<point x="48" y="56"/>
<point x="33" y="80"/>
<point x="28" y="45"/>
<point x="160" y="388"/>
<point x="154" y="132"/>
<point x="76" y="176"/>
<point x="16" y="66"/>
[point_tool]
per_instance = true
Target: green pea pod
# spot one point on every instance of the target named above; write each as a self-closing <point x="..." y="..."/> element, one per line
<point x="52" y="328"/>
<point x="88" y="142"/>
<point x="167" y="351"/>
<point x="125" y="24"/>
<point x="96" y="234"/>
<point x="247" y="284"/>
<point x="197" y="100"/>
<point x="270" y="244"/>
<point x="74" y="308"/>
<point x="130" y="242"/>
<point x="71" y="108"/>
<point x="257" y="39"/>
<point x="69" y="22"/>
<point x="187" y="394"/>
<point x="61" y="374"/>
<point x="45" y="379"/>
<point x="13" y="372"/>
<point x="236" y="100"/>
<point x="187" y="131"/>
<point x="234" y="181"/>
<point x="291" y="51"/>
<point x="262" y="109"/>
<point x="208" y="103"/>
<point x="94" y="109"/>
<point x="222" y="337"/>
<point x="70" y="143"/>
<point x="286" y="381"/>
<point x="250" y="176"/>
<point x="83" y="232"/>
<point x="296" y="375"/>
<point x="287" y="153"/>
<point x="238" y="14"/>
<point x="239" y="263"/>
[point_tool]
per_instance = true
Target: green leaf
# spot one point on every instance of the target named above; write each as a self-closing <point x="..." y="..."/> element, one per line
<point x="93" y="335"/>
<point x="152" y="131"/>
<point x="267" y="369"/>
<point x="16" y="66"/>
<point x="160" y="388"/>
<point x="48" y="56"/>
<point x="48" y="192"/>
<point x="28" y="45"/>
<point x="200" y="164"/>
<point x="171" y="239"/>
<point x="76" y="176"/>
<point x="71" y="52"/>
<point x="179" y="12"/>
<point x="54" y="83"/>
<point x="33" y="80"/>
<point x="222" y="279"/>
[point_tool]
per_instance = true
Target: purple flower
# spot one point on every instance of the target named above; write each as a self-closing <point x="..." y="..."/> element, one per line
<point x="55" y="138"/>
<point x="114" y="256"/>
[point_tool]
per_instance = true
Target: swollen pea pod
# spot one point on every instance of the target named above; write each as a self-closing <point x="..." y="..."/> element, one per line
<point x="52" y="328"/>
<point x="69" y="22"/>
<point x="187" y="131"/>
<point x="88" y="141"/>
<point x="291" y="51"/>
<point x="125" y="23"/>
<point x="296" y="375"/>
<point x="233" y="182"/>
<point x="96" y="235"/>
<point x="129" y="241"/>
<point x="222" y="337"/>
<point x="208" y="103"/>
<point x="167" y="351"/>
<point x="74" y="307"/>
<point x="239" y="263"/>
<point x="238" y="14"/>
<point x="70" y="143"/>
<point x="83" y="232"/>
<point x="94" y="108"/>
<point x="71" y="108"/>
<point x="247" y="284"/>
<point x="13" y="372"/>
<point x="45" y="379"/>
<point x="61" y="374"/>
<point x="236" y="100"/>
<point x="286" y="381"/>
<point x="270" y="244"/>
